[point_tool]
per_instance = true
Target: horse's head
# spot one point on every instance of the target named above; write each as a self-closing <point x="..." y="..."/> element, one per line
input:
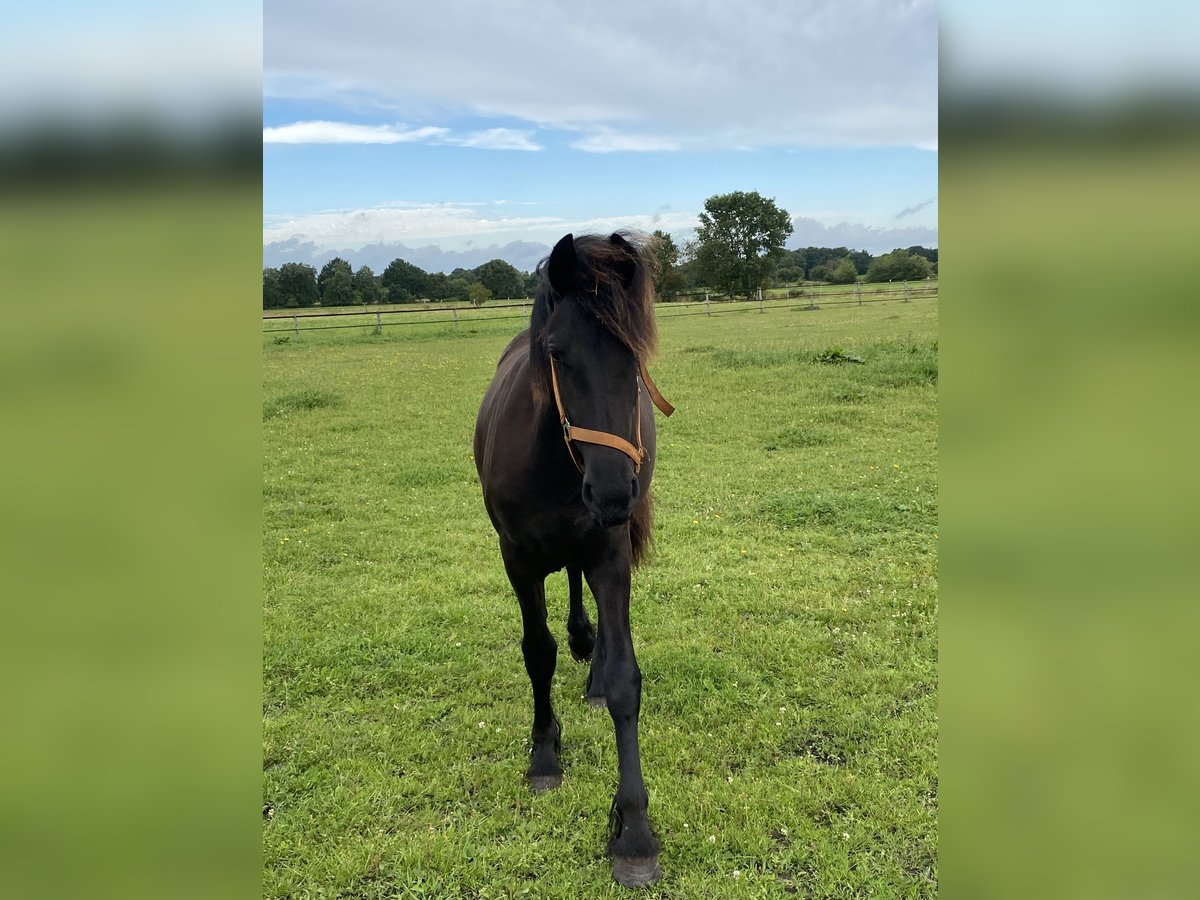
<point x="592" y="322"/>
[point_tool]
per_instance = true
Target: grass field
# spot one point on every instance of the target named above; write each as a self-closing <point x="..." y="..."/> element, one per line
<point x="785" y="625"/>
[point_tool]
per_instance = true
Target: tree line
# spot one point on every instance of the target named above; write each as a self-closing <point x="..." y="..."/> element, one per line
<point x="738" y="249"/>
<point x="294" y="285"/>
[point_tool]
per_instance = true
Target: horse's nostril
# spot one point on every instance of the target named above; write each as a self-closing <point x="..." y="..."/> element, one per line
<point x="587" y="492"/>
<point x="633" y="488"/>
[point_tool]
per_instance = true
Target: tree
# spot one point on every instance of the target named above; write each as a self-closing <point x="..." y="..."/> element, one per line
<point x="272" y="293"/>
<point x="298" y="284"/>
<point x="790" y="267"/>
<point x="339" y="287"/>
<point x="404" y="282"/>
<point x="478" y="293"/>
<point x="862" y="261"/>
<point x="899" y="265"/>
<point x="337" y="264"/>
<point x="500" y="278"/>
<point x="931" y="255"/>
<point x="440" y="286"/>
<point x="689" y="264"/>
<point x="668" y="280"/>
<point x="366" y="286"/>
<point x="741" y="238"/>
<point x="844" y="272"/>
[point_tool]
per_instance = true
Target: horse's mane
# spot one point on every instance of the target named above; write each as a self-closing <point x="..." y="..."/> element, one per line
<point x="615" y="282"/>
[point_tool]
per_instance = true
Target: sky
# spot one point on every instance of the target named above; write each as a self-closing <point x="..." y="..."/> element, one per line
<point x="450" y="134"/>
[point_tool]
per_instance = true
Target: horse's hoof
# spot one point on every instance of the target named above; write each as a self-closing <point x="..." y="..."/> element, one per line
<point x="598" y="702"/>
<point x="540" y="783"/>
<point x="581" y="657"/>
<point x="636" y="871"/>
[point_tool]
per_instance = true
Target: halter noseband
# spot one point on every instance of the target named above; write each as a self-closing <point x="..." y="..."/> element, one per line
<point x="573" y="433"/>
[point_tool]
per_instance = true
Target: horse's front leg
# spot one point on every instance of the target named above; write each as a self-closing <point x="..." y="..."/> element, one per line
<point x="541" y="657"/>
<point x="632" y="844"/>
<point x="581" y="635"/>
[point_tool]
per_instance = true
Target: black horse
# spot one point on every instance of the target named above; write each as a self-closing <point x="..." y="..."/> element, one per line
<point x="584" y="506"/>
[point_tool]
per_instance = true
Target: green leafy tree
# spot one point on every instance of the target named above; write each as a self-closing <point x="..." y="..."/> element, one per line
<point x="478" y="293"/>
<point x="500" y="278"/>
<point x="337" y="264"/>
<point x="339" y="288"/>
<point x="366" y="286"/>
<point x="899" y="265"/>
<point x="404" y="282"/>
<point x="272" y="293"/>
<point x="844" y="272"/>
<point x="668" y="280"/>
<point x="298" y="285"/>
<point x="790" y="268"/>
<point x="439" y="286"/>
<point x="689" y="264"/>
<point x="456" y="287"/>
<point x="930" y="254"/>
<point x="741" y="237"/>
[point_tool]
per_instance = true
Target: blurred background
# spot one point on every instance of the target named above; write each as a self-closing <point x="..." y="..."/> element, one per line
<point x="131" y="230"/>
<point x="1069" y="137"/>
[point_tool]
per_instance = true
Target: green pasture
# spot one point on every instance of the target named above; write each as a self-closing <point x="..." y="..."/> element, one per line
<point x="785" y="624"/>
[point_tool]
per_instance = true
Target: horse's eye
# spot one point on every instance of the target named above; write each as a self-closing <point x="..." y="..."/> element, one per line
<point x="555" y="355"/>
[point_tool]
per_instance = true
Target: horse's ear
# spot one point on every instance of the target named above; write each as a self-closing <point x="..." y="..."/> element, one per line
<point x="627" y="263"/>
<point x="562" y="265"/>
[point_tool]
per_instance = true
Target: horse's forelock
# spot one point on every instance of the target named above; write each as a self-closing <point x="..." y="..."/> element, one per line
<point x="619" y="294"/>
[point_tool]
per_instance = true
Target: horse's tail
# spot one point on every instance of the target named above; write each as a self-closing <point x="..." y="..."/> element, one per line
<point x="639" y="529"/>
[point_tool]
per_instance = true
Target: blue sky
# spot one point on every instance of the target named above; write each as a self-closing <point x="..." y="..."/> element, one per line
<point x="443" y="138"/>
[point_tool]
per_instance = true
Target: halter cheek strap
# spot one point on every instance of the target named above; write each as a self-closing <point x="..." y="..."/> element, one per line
<point x="572" y="433"/>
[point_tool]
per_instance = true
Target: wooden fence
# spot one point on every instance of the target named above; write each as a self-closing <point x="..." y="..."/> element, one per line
<point x="812" y="297"/>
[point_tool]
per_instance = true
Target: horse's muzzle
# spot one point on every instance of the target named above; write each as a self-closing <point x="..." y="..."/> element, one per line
<point x="611" y="505"/>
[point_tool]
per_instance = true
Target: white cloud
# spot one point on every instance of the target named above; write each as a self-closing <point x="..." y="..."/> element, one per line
<point x="874" y="239"/>
<point x="652" y="76"/>
<point x="497" y="139"/>
<point x="396" y="223"/>
<point x="455" y="226"/>
<point x="450" y="223"/>
<point x="608" y="141"/>
<point x="324" y="132"/>
<point x="321" y="132"/>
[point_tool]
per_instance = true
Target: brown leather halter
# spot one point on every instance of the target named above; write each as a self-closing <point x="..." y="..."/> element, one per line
<point x="574" y="433"/>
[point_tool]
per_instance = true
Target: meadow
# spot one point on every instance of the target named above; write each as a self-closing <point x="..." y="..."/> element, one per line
<point x="786" y="623"/>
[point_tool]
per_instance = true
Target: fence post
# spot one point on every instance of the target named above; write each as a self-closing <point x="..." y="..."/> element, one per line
<point x="858" y="290"/>
<point x="812" y="297"/>
<point x="296" y="326"/>
<point x="760" y="302"/>
<point x="378" y="323"/>
<point x="906" y="290"/>
<point x="707" y="309"/>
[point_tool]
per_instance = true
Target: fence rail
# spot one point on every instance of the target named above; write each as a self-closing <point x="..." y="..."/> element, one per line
<point x="796" y="298"/>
